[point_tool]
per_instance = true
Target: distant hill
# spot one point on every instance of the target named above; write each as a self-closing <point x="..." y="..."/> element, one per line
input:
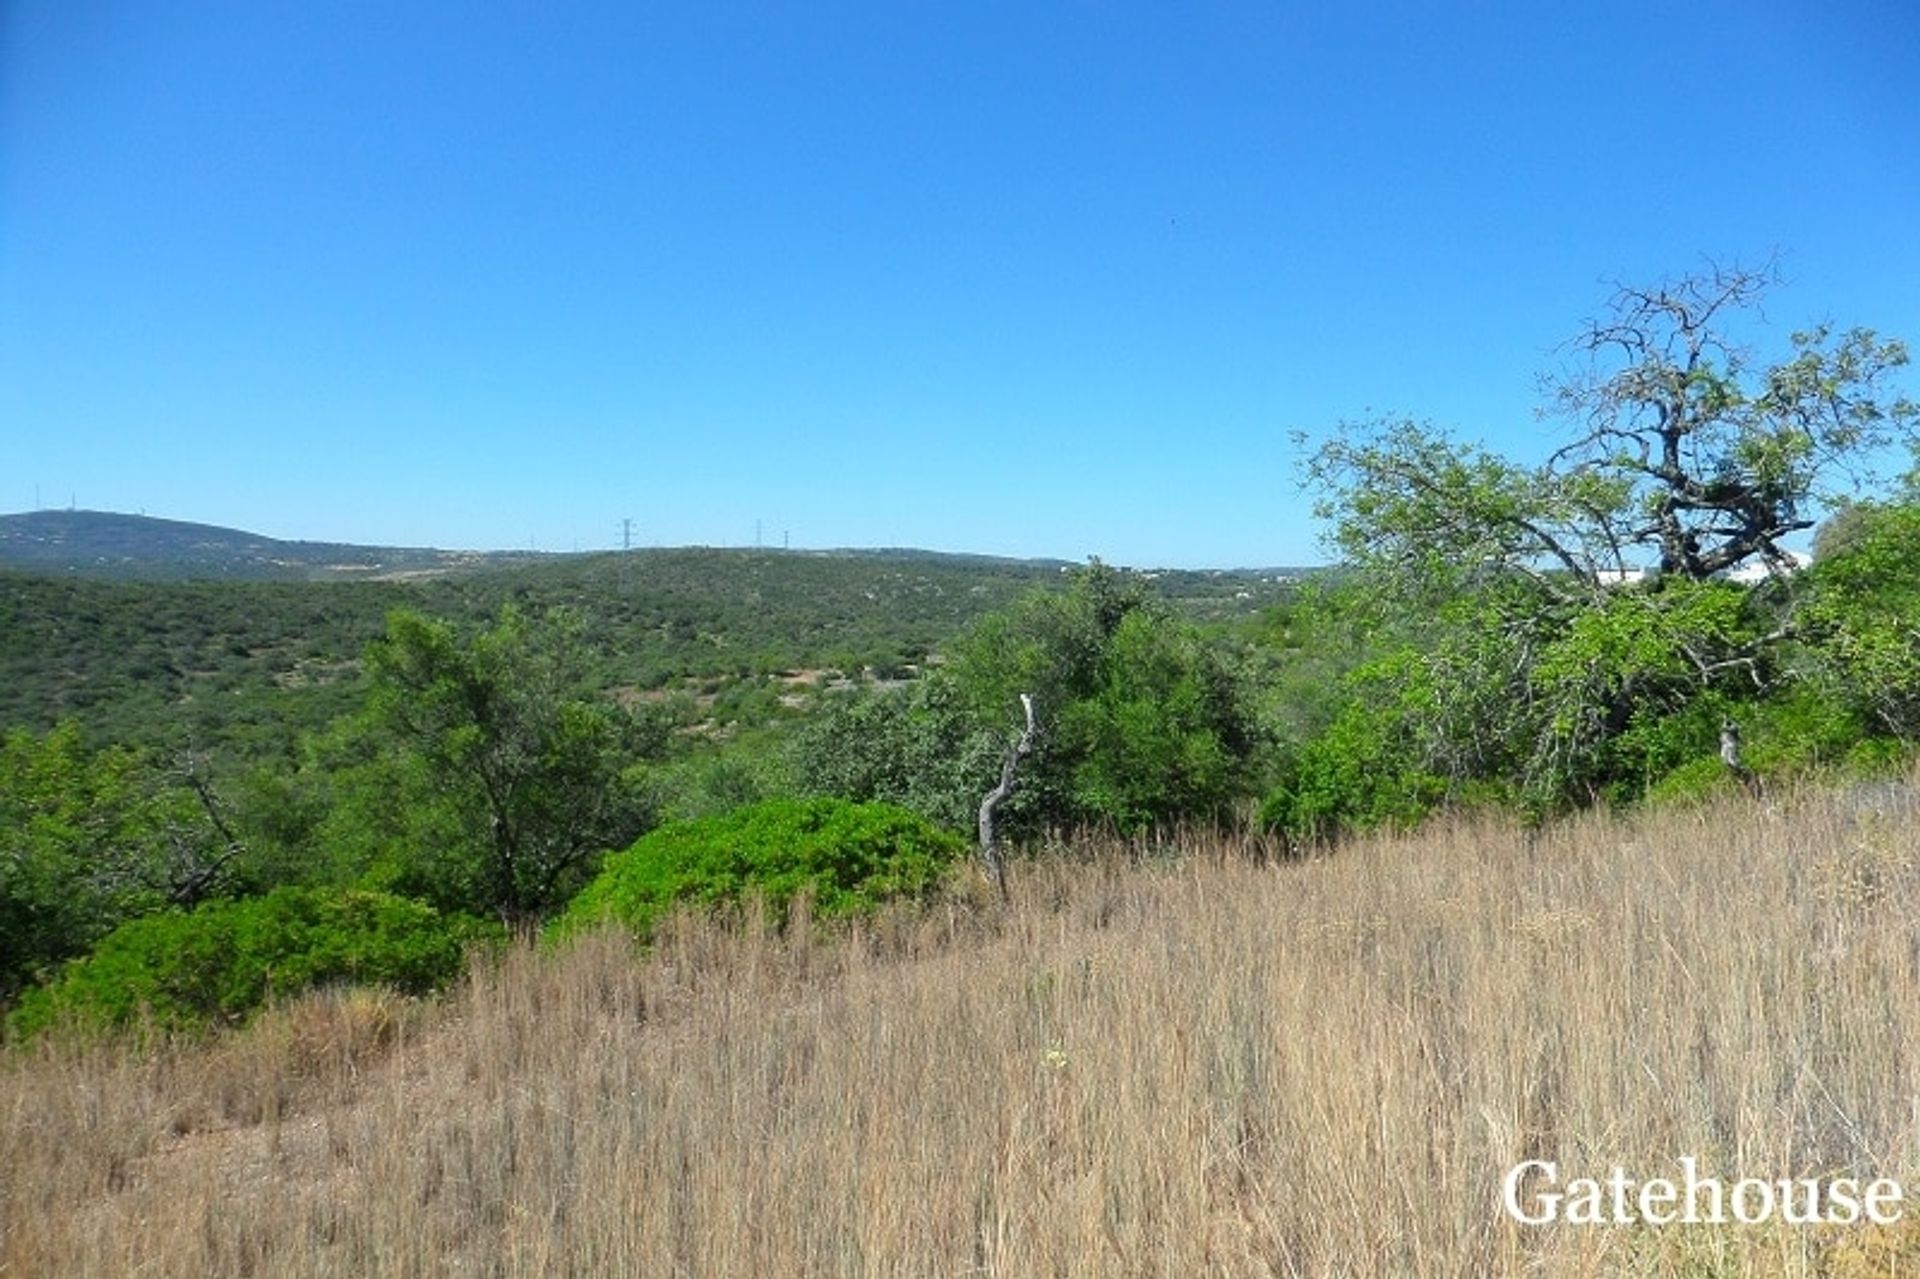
<point x="107" y="544"/>
<point x="141" y="547"/>
<point x="155" y="631"/>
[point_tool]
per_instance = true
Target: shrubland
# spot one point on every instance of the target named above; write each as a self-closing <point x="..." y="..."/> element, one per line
<point x="1191" y="1040"/>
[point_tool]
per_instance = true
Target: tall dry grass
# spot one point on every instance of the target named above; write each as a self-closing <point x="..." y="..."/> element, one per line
<point x="1146" y="1066"/>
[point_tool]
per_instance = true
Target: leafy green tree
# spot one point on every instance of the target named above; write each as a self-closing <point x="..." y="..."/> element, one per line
<point x="1142" y="718"/>
<point x="1501" y="694"/>
<point x="1686" y="454"/>
<point x="1531" y="661"/>
<point x="1861" y="621"/>
<point x="480" y="776"/>
<point x="1365" y="768"/>
<point x="91" y="838"/>
<point x="1161" y="735"/>
<point x="920" y="748"/>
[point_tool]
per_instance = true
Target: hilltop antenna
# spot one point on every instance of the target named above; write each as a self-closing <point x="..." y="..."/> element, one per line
<point x="626" y="532"/>
<point x="756" y="535"/>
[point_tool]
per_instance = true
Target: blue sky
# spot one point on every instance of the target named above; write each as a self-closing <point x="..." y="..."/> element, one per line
<point x="1023" y="279"/>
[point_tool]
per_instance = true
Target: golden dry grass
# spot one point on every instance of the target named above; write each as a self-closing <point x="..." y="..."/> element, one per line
<point x="1147" y="1066"/>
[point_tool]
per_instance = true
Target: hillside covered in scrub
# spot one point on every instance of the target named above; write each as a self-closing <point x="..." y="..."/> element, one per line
<point x="1249" y="640"/>
<point x="247" y="665"/>
<point x="1567" y="820"/>
<point x="1623" y="622"/>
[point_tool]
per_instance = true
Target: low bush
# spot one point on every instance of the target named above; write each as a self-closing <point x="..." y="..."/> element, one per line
<point x="187" y="970"/>
<point x="849" y="857"/>
<point x="1358" y="774"/>
<point x="1692" y="784"/>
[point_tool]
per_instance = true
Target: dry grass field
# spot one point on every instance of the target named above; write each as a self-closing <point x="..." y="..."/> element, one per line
<point x="1147" y="1066"/>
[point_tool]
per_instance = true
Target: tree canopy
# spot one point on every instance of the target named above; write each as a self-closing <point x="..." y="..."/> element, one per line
<point x="505" y="781"/>
<point x="1685" y="452"/>
<point x="1560" y="628"/>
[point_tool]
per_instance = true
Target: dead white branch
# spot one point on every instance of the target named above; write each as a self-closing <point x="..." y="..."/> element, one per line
<point x="991" y="862"/>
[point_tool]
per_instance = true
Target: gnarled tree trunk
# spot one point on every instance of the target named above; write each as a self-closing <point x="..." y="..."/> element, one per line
<point x="991" y="863"/>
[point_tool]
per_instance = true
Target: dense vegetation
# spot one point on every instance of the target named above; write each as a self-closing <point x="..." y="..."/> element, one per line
<point x="1144" y="718"/>
<point x="1544" y="635"/>
<point x="846" y="858"/>
<point x="1620" y="621"/>
<point x="217" y="965"/>
<point x="477" y="744"/>
<point x="726" y="637"/>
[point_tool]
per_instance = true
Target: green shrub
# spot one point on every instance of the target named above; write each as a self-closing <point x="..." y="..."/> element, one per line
<point x="1356" y="775"/>
<point x="185" y="970"/>
<point x="1803" y="728"/>
<point x="850" y="857"/>
<point x="1878" y="757"/>
<point x="1692" y="783"/>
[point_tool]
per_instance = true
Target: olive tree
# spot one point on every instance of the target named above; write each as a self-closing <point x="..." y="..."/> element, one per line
<point x="1534" y="650"/>
<point x="1686" y="452"/>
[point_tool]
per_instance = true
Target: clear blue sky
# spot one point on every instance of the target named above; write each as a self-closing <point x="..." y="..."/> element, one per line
<point x="1017" y="278"/>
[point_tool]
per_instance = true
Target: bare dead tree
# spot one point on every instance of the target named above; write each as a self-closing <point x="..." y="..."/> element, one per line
<point x="991" y="863"/>
<point x="1730" y="756"/>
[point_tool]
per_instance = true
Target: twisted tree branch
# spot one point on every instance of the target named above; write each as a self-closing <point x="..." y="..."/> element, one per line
<point x="991" y="862"/>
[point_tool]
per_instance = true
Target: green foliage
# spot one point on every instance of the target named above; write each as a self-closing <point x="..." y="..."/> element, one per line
<point x="849" y="858"/>
<point x="485" y="785"/>
<point x="1861" y="620"/>
<point x="1355" y="775"/>
<point x="236" y="668"/>
<point x="919" y="748"/>
<point x="87" y="839"/>
<point x="187" y="970"/>
<point x="1878" y="757"/>
<point x="1626" y="663"/>
<point x="1297" y="652"/>
<point x="244" y="669"/>
<point x="1142" y="718"/>
<point x="1800" y="728"/>
<point x="1505" y="690"/>
<point x="1692" y="783"/>
<point x="707" y="779"/>
<point x="1528" y="660"/>
<point x="1161" y="735"/>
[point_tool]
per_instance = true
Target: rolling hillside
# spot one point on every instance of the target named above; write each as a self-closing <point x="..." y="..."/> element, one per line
<point x="107" y="544"/>
<point x="156" y="632"/>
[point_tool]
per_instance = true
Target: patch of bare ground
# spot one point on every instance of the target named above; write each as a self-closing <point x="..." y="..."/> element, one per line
<point x="1146" y="1066"/>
